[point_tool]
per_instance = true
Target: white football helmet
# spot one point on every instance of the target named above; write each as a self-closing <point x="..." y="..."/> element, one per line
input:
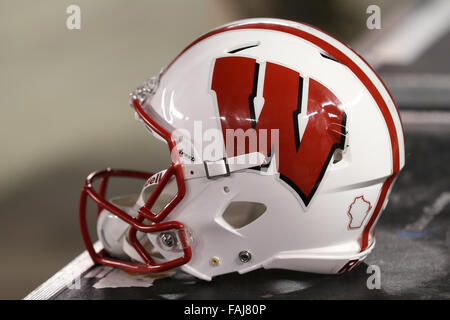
<point x="284" y="144"/>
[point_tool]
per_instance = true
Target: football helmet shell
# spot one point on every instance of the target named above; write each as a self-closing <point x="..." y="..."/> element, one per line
<point x="305" y="196"/>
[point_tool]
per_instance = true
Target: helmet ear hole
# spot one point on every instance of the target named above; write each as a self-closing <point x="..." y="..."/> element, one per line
<point x="239" y="214"/>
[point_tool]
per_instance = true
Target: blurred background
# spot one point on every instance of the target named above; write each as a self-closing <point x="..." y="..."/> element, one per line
<point x="64" y="100"/>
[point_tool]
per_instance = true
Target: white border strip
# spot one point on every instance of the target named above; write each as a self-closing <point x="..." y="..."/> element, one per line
<point x="64" y="278"/>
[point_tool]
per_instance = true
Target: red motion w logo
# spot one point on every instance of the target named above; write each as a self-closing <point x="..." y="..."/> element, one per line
<point x="301" y="164"/>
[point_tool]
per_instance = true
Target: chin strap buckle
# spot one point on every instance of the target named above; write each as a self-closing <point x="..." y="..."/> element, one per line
<point x="222" y="167"/>
<point x="218" y="168"/>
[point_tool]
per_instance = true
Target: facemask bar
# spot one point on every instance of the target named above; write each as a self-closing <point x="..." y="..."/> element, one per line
<point x="136" y="224"/>
<point x="138" y="98"/>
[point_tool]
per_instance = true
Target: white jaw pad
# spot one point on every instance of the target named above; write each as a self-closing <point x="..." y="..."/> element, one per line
<point x="222" y="167"/>
<point x="144" y="240"/>
<point x="131" y="251"/>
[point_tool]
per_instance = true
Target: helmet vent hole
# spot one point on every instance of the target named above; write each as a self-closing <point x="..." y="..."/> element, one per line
<point x="239" y="214"/>
<point x="244" y="47"/>
<point x="337" y="156"/>
<point x="326" y="55"/>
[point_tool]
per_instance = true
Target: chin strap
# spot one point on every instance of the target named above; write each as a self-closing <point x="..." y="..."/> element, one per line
<point x="222" y="167"/>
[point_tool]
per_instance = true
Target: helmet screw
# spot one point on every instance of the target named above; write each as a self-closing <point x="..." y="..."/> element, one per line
<point x="168" y="239"/>
<point x="245" y="256"/>
<point x="215" y="261"/>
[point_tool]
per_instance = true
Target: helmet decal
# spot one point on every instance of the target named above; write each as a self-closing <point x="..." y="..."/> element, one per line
<point x="301" y="159"/>
<point x="357" y="212"/>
